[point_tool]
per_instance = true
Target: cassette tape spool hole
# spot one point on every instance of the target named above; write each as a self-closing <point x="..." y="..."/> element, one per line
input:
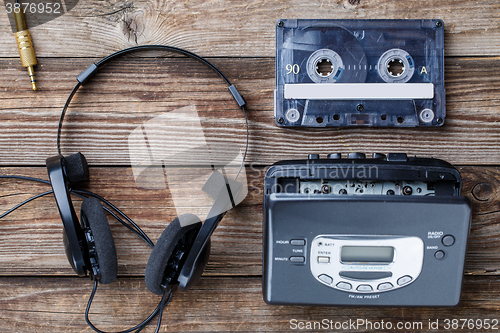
<point x="396" y="66"/>
<point x="324" y="66"/>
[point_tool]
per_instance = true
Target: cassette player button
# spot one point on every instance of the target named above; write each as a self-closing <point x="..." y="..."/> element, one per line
<point x="344" y="285"/>
<point x="297" y="259"/>
<point x="404" y="280"/>
<point x="364" y="287"/>
<point x="334" y="156"/>
<point x="313" y="156"/>
<point x="379" y="156"/>
<point x="298" y="242"/>
<point x="325" y="278"/>
<point x="385" y="286"/>
<point x="397" y="157"/>
<point x="356" y="156"/>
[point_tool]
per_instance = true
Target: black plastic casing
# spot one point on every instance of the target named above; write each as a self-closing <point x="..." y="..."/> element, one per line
<point x="292" y="216"/>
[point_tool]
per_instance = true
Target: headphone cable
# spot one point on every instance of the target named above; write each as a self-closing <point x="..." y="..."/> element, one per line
<point x="82" y="194"/>
<point x="158" y="311"/>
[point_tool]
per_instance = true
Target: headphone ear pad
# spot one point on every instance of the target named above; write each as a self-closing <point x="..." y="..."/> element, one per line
<point x="164" y="247"/>
<point x="76" y="167"/>
<point x="93" y="211"/>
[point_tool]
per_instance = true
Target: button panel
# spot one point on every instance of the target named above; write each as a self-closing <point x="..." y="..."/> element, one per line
<point x="360" y="276"/>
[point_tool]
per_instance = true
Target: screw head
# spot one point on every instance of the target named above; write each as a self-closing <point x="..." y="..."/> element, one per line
<point x="440" y="121"/>
<point x="439" y="24"/>
<point x="280" y="24"/>
<point x="360" y="107"/>
<point x="281" y="120"/>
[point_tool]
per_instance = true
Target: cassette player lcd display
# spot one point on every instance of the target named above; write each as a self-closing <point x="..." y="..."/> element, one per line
<point x="359" y="73"/>
<point x="391" y="230"/>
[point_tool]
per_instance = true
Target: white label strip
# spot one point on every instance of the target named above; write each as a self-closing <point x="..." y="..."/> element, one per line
<point x="342" y="91"/>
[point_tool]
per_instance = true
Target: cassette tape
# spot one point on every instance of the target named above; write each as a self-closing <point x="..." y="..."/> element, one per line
<point x="359" y="73"/>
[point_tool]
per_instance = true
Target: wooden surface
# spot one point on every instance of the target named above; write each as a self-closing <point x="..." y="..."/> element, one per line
<point x="38" y="290"/>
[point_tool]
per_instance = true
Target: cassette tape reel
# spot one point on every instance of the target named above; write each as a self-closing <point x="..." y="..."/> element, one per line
<point x="359" y="73"/>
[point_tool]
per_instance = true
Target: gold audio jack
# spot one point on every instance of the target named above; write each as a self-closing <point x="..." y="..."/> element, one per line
<point x="25" y="45"/>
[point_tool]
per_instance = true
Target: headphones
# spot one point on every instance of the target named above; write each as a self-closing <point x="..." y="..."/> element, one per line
<point x="181" y="253"/>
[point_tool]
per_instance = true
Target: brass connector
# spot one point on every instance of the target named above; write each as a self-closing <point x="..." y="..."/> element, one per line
<point x="25" y="46"/>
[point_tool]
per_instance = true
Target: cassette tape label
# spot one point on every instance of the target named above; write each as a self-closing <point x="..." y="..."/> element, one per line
<point x="359" y="72"/>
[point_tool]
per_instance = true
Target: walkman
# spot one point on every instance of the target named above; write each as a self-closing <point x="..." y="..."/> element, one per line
<point x="391" y="230"/>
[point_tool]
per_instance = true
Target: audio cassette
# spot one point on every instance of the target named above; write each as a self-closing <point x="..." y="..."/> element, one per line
<point x="359" y="73"/>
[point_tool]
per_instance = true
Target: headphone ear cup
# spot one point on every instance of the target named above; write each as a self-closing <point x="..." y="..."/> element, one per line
<point x="76" y="168"/>
<point x="95" y="216"/>
<point x="163" y="250"/>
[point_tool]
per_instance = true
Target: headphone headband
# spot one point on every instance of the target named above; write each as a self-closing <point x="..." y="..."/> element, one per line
<point x="90" y="71"/>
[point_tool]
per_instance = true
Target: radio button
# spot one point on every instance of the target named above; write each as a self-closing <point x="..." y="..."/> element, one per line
<point x="324" y="260"/>
<point x="313" y="156"/>
<point x="364" y="287"/>
<point x="404" y="280"/>
<point x="439" y="254"/>
<point x="298" y="242"/>
<point x="385" y="286"/>
<point x="297" y="259"/>
<point x="344" y="285"/>
<point x="448" y="240"/>
<point x="325" y="278"/>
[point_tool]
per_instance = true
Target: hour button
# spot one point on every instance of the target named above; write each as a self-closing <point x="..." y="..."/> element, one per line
<point x="298" y="242"/>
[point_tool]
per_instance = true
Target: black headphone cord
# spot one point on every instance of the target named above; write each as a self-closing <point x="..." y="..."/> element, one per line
<point x="88" y="73"/>
<point x="167" y="296"/>
<point x="132" y="226"/>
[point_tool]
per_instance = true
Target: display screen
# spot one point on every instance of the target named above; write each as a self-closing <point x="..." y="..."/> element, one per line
<point x="367" y="254"/>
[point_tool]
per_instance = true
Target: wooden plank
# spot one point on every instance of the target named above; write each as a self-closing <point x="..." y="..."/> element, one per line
<point x="213" y="305"/>
<point x="105" y="112"/>
<point x="236" y="244"/>
<point x="239" y="28"/>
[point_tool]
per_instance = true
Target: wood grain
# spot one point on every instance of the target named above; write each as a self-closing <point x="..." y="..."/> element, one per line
<point x="209" y="27"/>
<point x="213" y="305"/>
<point x="105" y="112"/>
<point x="236" y="245"/>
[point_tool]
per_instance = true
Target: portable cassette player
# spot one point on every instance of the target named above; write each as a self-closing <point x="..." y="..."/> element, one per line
<point x="391" y="230"/>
